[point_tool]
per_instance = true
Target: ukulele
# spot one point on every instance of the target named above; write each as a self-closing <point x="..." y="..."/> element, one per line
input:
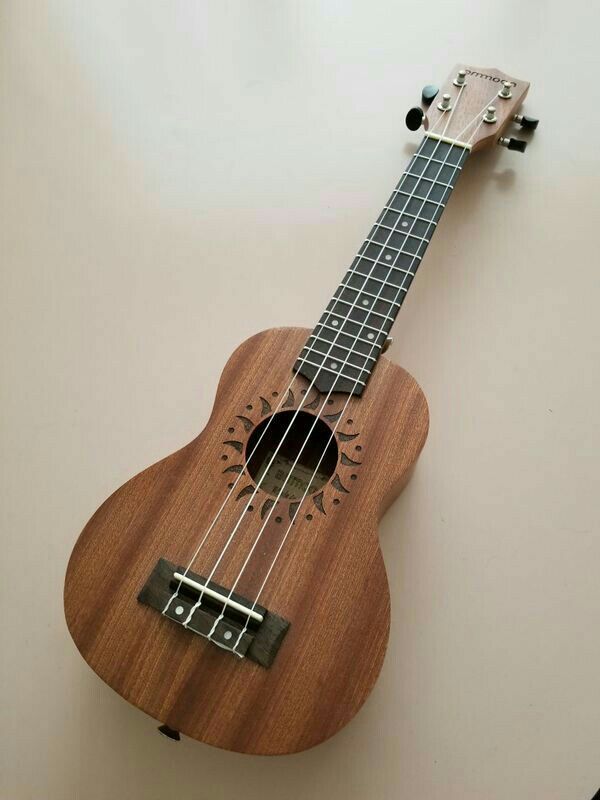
<point x="235" y="591"/>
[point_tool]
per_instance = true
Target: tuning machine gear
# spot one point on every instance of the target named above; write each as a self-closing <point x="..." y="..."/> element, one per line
<point x="414" y="118"/>
<point x="527" y="123"/>
<point x="416" y="115"/>
<point x="513" y="144"/>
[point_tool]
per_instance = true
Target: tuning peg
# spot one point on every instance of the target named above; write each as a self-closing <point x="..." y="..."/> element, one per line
<point x="414" y="118"/>
<point x="460" y="77"/>
<point x="428" y="94"/>
<point x="513" y="144"/>
<point x="505" y="92"/>
<point x="445" y="103"/>
<point x="528" y="123"/>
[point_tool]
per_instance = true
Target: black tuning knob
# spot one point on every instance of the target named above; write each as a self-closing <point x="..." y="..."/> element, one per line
<point x="428" y="94"/>
<point x="527" y="123"/>
<point x="513" y="144"/>
<point x="414" y="118"/>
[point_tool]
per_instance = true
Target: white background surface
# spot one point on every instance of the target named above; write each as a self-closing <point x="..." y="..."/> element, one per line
<point x="178" y="175"/>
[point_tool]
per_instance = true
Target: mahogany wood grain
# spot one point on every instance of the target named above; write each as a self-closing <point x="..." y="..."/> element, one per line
<point x="329" y="582"/>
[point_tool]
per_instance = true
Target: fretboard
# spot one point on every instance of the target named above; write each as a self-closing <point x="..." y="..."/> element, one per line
<point x="348" y="339"/>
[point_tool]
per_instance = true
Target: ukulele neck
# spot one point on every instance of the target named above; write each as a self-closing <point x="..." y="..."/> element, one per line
<point x="344" y="346"/>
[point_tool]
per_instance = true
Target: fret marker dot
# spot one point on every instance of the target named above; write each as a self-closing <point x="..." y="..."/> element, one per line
<point x="334" y="365"/>
<point x="365" y="302"/>
<point x="404" y="224"/>
<point x="370" y="335"/>
<point x="179" y="610"/>
<point x="227" y="635"/>
<point x="388" y="257"/>
<point x="335" y="323"/>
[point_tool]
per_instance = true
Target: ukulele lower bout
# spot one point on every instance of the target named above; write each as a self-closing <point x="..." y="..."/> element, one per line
<point x="316" y="640"/>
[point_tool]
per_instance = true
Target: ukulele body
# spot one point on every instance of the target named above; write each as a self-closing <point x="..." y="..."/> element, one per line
<point x="329" y="580"/>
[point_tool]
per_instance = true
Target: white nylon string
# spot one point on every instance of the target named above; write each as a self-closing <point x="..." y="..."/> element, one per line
<point x="306" y="492"/>
<point x="330" y="392"/>
<point x="231" y="491"/>
<point x="309" y="349"/>
<point x="284" y="395"/>
<point x="273" y="457"/>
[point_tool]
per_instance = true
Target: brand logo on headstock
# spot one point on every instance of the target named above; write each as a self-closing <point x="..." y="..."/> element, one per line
<point x="492" y="78"/>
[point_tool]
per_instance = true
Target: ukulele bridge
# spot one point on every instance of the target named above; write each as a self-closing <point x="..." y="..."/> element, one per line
<point x="204" y="607"/>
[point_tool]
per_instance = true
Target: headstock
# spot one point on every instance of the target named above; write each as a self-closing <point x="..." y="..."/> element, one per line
<point x="475" y="106"/>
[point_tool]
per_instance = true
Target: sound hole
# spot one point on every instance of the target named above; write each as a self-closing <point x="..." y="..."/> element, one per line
<point x="308" y="446"/>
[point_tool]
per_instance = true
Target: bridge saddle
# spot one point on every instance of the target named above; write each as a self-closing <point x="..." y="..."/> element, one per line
<point x="227" y="619"/>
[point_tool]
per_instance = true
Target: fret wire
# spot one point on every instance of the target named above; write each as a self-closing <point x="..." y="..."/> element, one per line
<point x="406" y="214"/>
<point x="379" y="280"/>
<point x="349" y="319"/>
<point x="436" y="161"/>
<point x="401" y="233"/>
<point x="339" y="374"/>
<point x="354" y="339"/>
<point x="341" y="346"/>
<point x="385" y="263"/>
<point x="370" y="294"/>
<point x="370" y="342"/>
<point x="366" y="309"/>
<point x="407" y="171"/>
<point x="431" y="180"/>
<point x="412" y="197"/>
<point x="334" y="360"/>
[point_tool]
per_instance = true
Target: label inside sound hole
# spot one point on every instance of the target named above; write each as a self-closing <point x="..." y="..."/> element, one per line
<point x="294" y="485"/>
<point x="303" y="450"/>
